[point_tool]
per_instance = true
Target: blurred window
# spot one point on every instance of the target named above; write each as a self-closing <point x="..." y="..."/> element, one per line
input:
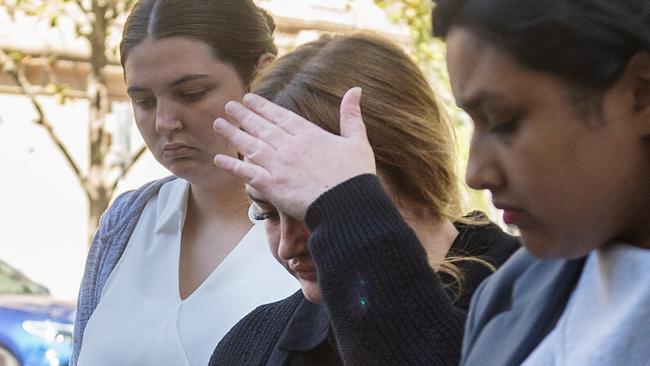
<point x="13" y="282"/>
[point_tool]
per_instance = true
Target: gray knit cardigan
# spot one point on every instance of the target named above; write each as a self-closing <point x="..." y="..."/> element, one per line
<point x="115" y="229"/>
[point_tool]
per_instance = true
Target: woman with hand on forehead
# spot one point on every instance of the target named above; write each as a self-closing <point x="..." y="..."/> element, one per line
<point x="175" y="263"/>
<point x="358" y="256"/>
<point x="559" y="92"/>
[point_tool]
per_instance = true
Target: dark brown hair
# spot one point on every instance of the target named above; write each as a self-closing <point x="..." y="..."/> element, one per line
<point x="237" y="31"/>
<point x="587" y="43"/>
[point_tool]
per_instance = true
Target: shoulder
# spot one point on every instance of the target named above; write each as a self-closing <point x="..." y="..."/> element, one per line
<point x="480" y="249"/>
<point x="496" y="291"/>
<point x="112" y="235"/>
<point x="129" y="200"/>
<point x="276" y="310"/>
<point x="253" y="338"/>
<point x="523" y="274"/>
<point x="484" y="239"/>
<point x="524" y="285"/>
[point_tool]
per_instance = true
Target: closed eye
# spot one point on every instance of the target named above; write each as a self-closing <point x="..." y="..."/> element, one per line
<point x="256" y="214"/>
<point x="144" y="103"/>
<point x="194" y="96"/>
<point x="506" y="128"/>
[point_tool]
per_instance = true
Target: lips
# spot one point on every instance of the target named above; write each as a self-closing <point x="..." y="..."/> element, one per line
<point x="176" y="151"/>
<point x="303" y="270"/>
<point x="511" y="217"/>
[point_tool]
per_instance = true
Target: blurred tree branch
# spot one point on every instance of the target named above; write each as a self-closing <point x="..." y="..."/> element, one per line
<point x="9" y="65"/>
<point x="94" y="21"/>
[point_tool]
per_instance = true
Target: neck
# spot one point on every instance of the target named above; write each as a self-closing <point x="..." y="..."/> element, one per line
<point x="221" y="199"/>
<point x="436" y="235"/>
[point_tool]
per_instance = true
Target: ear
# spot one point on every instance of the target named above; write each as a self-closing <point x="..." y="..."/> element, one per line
<point x="264" y="60"/>
<point x="638" y="69"/>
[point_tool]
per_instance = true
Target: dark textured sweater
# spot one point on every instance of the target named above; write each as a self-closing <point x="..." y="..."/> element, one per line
<point x="385" y="303"/>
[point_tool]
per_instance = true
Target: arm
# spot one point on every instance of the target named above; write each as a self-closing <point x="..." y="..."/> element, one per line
<point x="85" y="300"/>
<point x="387" y="305"/>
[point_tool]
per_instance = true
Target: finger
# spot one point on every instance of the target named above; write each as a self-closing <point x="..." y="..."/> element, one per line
<point x="256" y="125"/>
<point x="282" y="117"/>
<point x="251" y="147"/>
<point x="254" y="194"/>
<point x="350" y="114"/>
<point x="250" y="173"/>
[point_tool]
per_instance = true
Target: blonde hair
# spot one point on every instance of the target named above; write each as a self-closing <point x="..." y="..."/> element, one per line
<point x="410" y="133"/>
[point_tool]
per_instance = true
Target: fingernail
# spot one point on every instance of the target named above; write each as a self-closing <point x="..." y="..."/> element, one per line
<point x="217" y="160"/>
<point x="218" y="124"/>
<point x="247" y="97"/>
<point x="229" y="106"/>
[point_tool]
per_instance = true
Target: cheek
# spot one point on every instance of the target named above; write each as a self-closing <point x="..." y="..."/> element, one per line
<point x="273" y="238"/>
<point x="215" y="104"/>
<point x="146" y="124"/>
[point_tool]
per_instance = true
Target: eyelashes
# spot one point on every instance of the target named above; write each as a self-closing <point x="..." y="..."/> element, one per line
<point x="506" y="128"/>
<point x="255" y="214"/>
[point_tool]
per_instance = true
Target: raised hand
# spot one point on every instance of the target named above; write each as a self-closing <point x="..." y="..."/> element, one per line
<point x="289" y="161"/>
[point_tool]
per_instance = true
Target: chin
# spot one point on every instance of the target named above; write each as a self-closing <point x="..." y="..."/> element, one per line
<point x="311" y="292"/>
<point x="551" y="247"/>
<point x="188" y="171"/>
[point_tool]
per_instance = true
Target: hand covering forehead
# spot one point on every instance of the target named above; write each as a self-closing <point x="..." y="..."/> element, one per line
<point x="613" y="23"/>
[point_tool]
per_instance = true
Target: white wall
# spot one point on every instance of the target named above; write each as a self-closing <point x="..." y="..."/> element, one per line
<point x="42" y="208"/>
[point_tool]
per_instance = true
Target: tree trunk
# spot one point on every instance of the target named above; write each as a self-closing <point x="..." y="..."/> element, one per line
<point x="98" y="178"/>
<point x="96" y="207"/>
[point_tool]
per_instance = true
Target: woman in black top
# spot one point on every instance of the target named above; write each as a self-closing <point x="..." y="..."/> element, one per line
<point x="356" y="291"/>
<point x="559" y="92"/>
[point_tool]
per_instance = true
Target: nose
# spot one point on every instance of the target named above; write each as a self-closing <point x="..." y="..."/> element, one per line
<point x="483" y="167"/>
<point x="167" y="119"/>
<point x="293" y="239"/>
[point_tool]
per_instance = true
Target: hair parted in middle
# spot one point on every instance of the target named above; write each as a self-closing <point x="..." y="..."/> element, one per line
<point x="237" y="31"/>
<point x="408" y="129"/>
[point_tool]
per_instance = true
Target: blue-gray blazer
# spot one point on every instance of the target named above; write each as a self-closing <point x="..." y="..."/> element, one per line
<point x="514" y="309"/>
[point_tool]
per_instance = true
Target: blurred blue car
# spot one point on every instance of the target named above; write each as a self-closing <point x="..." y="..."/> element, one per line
<point x="35" y="329"/>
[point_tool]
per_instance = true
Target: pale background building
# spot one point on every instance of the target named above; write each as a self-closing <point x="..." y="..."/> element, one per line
<point x="43" y="210"/>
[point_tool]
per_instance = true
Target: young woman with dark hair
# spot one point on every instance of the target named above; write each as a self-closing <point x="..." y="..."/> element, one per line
<point x="414" y="152"/>
<point x="560" y="96"/>
<point x="175" y="263"/>
<point x="559" y="92"/>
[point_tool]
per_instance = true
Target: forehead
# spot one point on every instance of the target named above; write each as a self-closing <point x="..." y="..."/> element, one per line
<point x="156" y="59"/>
<point x="479" y="71"/>
<point x="475" y="66"/>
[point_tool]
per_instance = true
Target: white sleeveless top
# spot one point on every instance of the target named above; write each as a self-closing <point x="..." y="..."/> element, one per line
<point x="141" y="319"/>
<point x="607" y="319"/>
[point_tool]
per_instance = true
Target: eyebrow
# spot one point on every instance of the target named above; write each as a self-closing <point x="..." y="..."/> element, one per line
<point x="256" y="199"/>
<point x="188" y="78"/>
<point x="181" y="80"/>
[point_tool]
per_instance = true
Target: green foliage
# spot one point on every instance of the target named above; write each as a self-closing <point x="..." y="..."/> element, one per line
<point x="59" y="90"/>
<point x="429" y="53"/>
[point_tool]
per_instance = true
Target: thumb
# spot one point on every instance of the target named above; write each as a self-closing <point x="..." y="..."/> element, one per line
<point x="350" y="114"/>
